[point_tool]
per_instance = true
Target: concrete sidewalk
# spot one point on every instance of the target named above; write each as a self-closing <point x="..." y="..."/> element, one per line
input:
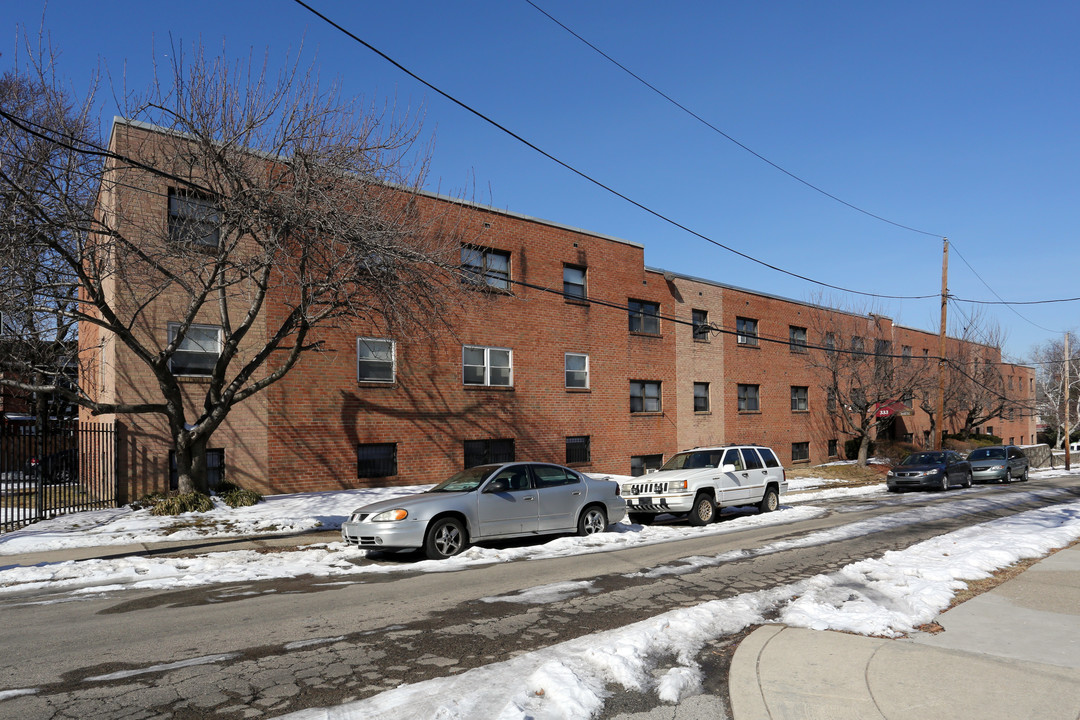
<point x="1013" y="652"/>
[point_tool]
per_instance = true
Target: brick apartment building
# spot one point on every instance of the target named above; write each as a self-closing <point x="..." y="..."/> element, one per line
<point x="573" y="352"/>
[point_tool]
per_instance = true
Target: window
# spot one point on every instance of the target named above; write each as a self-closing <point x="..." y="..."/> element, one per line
<point x="989" y="429"/>
<point x="486" y="267"/>
<point x="193" y="219"/>
<point x="797" y="339"/>
<point x="1011" y="440"/>
<point x="375" y="460"/>
<point x="746" y="331"/>
<point x="768" y="457"/>
<point x="577" y="370"/>
<point x="830" y="400"/>
<point x="908" y="399"/>
<point x="1010" y="415"/>
<point x="1010" y="382"/>
<point x="374" y="360"/>
<point x="883" y="358"/>
<point x="834" y="449"/>
<point x="483" y="452"/>
<point x="644" y="317"/>
<point x="700" y="321"/>
<point x="800" y="398"/>
<point x="487" y="366"/>
<point x="198" y="352"/>
<point x="578" y="449"/>
<point x="926" y="355"/>
<point x="905" y="353"/>
<point x="830" y="343"/>
<point x="553" y="476"/>
<point x="748" y="398"/>
<point x="215" y="469"/>
<point x="644" y="396"/>
<point x="701" y="397"/>
<point x="573" y="282"/>
<point x="800" y="451"/>
<point x="856" y="344"/>
<point x="641" y="464"/>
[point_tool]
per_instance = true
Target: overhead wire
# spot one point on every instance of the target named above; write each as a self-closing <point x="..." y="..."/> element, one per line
<point x="720" y="132"/>
<point x="607" y="188"/>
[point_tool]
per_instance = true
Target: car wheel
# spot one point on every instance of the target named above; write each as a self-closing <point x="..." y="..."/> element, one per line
<point x="445" y="538"/>
<point x="770" y="501"/>
<point x="593" y="520"/>
<point x="703" y="512"/>
<point x="967" y="479"/>
<point x="944" y="482"/>
<point x="894" y="489"/>
<point x="1008" y="476"/>
<point x="1024" y="477"/>
<point x="642" y="518"/>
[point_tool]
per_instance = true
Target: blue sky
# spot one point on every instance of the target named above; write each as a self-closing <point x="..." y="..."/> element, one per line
<point x="956" y="119"/>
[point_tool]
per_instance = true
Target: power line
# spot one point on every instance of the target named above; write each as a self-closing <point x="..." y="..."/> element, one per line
<point x="585" y="176"/>
<point x="991" y="289"/>
<point x="720" y="132"/>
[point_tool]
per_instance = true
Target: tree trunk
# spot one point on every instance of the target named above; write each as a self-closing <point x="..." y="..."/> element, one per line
<point x="191" y="464"/>
<point x="864" y="450"/>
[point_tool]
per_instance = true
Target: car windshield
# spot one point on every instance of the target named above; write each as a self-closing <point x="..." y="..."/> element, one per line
<point x="933" y="458"/>
<point x="987" y="454"/>
<point x="466" y="480"/>
<point x="693" y="460"/>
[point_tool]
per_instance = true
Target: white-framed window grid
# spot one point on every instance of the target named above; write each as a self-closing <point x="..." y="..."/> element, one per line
<point x="487" y="366"/>
<point x="376" y="360"/>
<point x="198" y="352"/>
<point x="576" y="367"/>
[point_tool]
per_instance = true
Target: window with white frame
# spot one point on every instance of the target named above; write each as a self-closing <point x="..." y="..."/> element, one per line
<point x="198" y="352"/>
<point x="487" y="366"/>
<point x="193" y="219"/>
<point x="644" y="396"/>
<point x="746" y="331"/>
<point x="375" y="360"/>
<point x="486" y="267"/>
<point x="577" y="370"/>
<point x="644" y="317"/>
<point x="573" y="282"/>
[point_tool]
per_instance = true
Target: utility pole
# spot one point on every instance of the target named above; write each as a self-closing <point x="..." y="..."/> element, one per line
<point x="1068" y="455"/>
<point x="939" y="436"/>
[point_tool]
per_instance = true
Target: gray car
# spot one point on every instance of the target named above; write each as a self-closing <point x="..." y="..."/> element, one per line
<point x="487" y="502"/>
<point x="998" y="463"/>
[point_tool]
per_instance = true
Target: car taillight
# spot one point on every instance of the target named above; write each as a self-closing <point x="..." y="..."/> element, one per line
<point x="618" y="490"/>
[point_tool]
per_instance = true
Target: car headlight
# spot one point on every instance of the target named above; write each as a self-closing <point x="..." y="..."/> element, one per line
<point x="890" y="474"/>
<point x="391" y="515"/>
<point x="997" y="467"/>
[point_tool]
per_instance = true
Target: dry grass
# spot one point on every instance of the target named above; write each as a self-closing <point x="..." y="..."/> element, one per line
<point x="851" y="474"/>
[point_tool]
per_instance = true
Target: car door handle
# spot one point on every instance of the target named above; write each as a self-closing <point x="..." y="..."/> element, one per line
<point x="576" y="492"/>
<point x="528" y="497"/>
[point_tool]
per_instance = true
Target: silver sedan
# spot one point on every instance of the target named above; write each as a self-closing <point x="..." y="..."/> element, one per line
<point x="488" y="502"/>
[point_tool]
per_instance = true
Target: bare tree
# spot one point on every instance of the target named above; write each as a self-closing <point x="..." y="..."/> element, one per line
<point x="1050" y="373"/>
<point x="860" y="372"/>
<point x="288" y="209"/>
<point x="977" y="391"/>
<point x="46" y="192"/>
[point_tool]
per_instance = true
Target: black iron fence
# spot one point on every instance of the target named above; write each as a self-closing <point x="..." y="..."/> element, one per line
<point x="69" y="467"/>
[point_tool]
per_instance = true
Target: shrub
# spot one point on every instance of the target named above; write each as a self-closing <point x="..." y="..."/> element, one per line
<point x="235" y="496"/>
<point x="893" y="451"/>
<point x="851" y="449"/>
<point x="178" y="504"/>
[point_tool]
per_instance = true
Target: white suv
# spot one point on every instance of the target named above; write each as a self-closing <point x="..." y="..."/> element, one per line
<point x="699" y="482"/>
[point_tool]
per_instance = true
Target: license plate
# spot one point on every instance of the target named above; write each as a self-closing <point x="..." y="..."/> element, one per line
<point x="656" y="488"/>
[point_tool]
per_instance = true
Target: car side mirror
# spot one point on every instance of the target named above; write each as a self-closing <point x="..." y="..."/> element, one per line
<point x="498" y="485"/>
<point x="728" y="468"/>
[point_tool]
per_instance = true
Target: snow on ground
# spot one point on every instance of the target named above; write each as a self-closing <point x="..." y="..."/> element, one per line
<point x="886" y="597"/>
<point x="277" y="514"/>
